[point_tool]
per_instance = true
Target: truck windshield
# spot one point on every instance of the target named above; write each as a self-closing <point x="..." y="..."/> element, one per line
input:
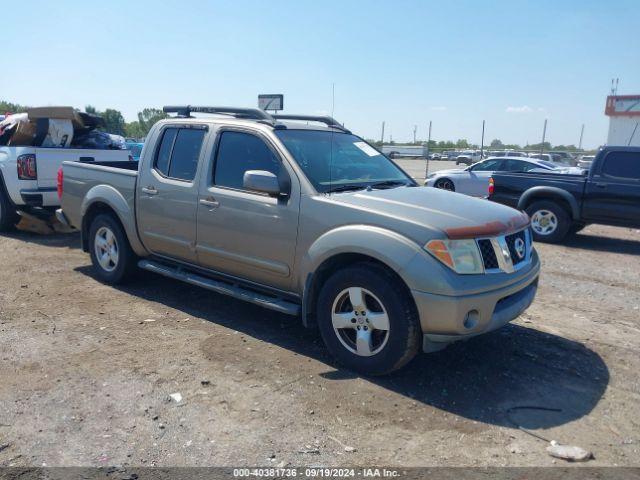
<point x="335" y="161"/>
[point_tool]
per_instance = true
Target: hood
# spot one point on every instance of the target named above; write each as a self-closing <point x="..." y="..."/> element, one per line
<point x="454" y="214"/>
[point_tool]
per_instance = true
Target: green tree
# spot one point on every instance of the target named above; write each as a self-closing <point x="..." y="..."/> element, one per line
<point x="8" y="107"/>
<point x="148" y="117"/>
<point x="496" y="144"/>
<point x="113" y="121"/>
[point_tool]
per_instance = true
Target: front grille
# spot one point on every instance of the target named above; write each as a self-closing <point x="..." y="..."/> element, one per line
<point x="488" y="254"/>
<point x="511" y="243"/>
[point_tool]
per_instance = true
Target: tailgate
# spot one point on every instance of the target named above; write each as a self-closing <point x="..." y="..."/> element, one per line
<point x="49" y="160"/>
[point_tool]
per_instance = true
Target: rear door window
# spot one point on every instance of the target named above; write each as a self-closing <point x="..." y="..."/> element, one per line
<point x="489" y="166"/>
<point x="179" y="152"/>
<point x="622" y="165"/>
<point x="163" y="156"/>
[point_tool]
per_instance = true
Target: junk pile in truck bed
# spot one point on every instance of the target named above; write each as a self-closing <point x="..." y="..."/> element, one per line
<point x="57" y="127"/>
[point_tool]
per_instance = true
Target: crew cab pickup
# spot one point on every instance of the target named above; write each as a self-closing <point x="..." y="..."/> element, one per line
<point x="296" y="214"/>
<point x="28" y="177"/>
<point x="608" y="194"/>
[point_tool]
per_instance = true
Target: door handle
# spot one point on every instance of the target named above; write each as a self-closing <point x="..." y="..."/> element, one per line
<point x="150" y="190"/>
<point x="601" y="185"/>
<point x="209" y="202"/>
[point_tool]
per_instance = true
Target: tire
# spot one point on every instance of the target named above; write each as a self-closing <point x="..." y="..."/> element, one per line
<point x="549" y="221"/>
<point x="445" y="184"/>
<point x="358" y="344"/>
<point x="120" y="262"/>
<point x="8" y="214"/>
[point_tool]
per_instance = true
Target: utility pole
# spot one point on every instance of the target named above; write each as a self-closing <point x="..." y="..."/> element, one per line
<point x="581" y="135"/>
<point x="426" y="173"/>
<point x="382" y="135"/>
<point x="415" y="129"/>
<point x="482" y="142"/>
<point x="544" y="135"/>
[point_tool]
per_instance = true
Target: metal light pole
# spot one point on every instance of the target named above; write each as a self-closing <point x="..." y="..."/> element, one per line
<point x="581" y="135"/>
<point x="544" y="134"/>
<point x="382" y="136"/>
<point x="426" y="173"/>
<point x="415" y="129"/>
<point x="482" y="142"/>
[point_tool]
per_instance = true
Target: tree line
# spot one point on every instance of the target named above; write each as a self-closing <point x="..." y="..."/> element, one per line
<point x="496" y="144"/>
<point x="114" y="121"/>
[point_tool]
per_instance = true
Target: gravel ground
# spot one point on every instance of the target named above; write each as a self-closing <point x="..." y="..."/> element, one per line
<point x="86" y="371"/>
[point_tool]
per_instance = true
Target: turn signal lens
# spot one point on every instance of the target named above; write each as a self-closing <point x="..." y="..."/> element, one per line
<point x="492" y="186"/>
<point x="461" y="256"/>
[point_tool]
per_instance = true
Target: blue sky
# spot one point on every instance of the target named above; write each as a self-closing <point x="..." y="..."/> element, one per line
<point x="456" y="63"/>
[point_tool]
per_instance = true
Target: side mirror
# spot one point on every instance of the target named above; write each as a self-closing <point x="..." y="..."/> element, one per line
<point x="261" y="181"/>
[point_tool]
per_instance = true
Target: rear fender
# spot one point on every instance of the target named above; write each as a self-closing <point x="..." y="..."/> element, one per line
<point x="549" y="193"/>
<point x="112" y="198"/>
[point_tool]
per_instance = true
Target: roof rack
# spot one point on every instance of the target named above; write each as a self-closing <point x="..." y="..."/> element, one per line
<point x="250" y="113"/>
<point x="328" y="121"/>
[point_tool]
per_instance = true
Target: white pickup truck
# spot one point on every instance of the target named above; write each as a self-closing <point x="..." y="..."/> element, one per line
<point x="28" y="177"/>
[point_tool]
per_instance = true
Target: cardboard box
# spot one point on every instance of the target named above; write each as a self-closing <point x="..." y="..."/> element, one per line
<point x="24" y="135"/>
<point x="58" y="113"/>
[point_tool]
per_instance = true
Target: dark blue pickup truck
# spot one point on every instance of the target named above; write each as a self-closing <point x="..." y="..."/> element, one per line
<point x="558" y="204"/>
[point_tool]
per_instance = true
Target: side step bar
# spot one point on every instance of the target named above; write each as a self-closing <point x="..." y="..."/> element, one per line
<point x="225" y="288"/>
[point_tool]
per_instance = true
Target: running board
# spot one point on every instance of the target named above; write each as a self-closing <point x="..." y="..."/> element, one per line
<point x="225" y="288"/>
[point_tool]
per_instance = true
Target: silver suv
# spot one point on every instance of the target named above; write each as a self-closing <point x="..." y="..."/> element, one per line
<point x="297" y="214"/>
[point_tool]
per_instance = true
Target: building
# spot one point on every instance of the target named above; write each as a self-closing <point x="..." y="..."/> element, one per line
<point x="624" y="119"/>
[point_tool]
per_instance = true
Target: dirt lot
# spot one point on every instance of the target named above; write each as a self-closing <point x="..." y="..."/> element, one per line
<point x="86" y="371"/>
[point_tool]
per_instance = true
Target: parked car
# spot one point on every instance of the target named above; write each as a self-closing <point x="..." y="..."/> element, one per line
<point x="508" y="153"/>
<point x="468" y="157"/>
<point x="561" y="204"/>
<point x="135" y="149"/>
<point x="28" y="178"/>
<point x="306" y="220"/>
<point x="551" y="158"/>
<point x="586" y="161"/>
<point x="473" y="179"/>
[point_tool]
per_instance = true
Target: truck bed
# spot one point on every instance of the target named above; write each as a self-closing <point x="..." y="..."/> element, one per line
<point x="87" y="179"/>
<point x="508" y="187"/>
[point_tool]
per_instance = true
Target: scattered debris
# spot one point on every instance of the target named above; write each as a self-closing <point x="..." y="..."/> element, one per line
<point x="349" y="449"/>
<point x="150" y="320"/>
<point x="310" y="450"/>
<point x="176" y="397"/>
<point x="569" y="452"/>
<point x="4" y="446"/>
<point x="205" y="382"/>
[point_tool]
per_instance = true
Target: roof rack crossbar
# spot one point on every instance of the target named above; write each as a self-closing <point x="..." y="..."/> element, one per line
<point x="328" y="121"/>
<point x="250" y="113"/>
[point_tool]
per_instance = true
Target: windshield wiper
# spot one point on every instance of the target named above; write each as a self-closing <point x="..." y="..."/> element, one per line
<point x="346" y="188"/>
<point x="389" y="184"/>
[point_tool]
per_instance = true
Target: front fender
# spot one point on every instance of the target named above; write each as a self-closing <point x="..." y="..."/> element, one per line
<point x="390" y="248"/>
<point x="110" y="196"/>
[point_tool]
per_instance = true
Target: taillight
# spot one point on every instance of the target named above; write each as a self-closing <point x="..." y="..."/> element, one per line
<point x="492" y="186"/>
<point x="27" y="168"/>
<point x="60" y="182"/>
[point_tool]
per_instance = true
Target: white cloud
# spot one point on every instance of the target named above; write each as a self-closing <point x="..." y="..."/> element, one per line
<point x="522" y="109"/>
<point x="439" y="108"/>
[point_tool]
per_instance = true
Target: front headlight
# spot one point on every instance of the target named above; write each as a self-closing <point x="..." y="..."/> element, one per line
<point x="461" y="256"/>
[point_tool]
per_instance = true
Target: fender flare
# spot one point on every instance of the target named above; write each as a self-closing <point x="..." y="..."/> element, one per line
<point x="385" y="246"/>
<point x="549" y="193"/>
<point x="113" y="199"/>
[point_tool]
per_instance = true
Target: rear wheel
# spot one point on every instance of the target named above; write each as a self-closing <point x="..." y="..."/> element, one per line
<point x="113" y="259"/>
<point x="445" y="184"/>
<point x="8" y="215"/>
<point x="367" y="320"/>
<point x="549" y="221"/>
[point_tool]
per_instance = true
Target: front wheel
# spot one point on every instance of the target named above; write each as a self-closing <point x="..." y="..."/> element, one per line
<point x="368" y="320"/>
<point x="113" y="259"/>
<point x="445" y="184"/>
<point x="549" y="221"/>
